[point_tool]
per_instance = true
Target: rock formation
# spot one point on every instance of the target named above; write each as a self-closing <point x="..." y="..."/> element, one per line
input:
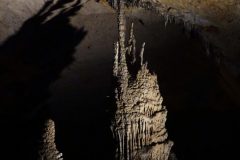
<point x="48" y="149"/>
<point x="139" y="122"/>
<point x="216" y="22"/>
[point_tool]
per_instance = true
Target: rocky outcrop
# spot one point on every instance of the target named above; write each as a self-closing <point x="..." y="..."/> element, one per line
<point x="139" y="121"/>
<point x="48" y="149"/>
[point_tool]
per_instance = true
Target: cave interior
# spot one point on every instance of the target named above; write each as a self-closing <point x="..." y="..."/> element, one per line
<point x="56" y="60"/>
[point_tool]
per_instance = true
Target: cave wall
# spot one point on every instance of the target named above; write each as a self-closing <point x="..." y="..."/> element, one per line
<point x="13" y="13"/>
<point x="204" y="12"/>
<point x="217" y="19"/>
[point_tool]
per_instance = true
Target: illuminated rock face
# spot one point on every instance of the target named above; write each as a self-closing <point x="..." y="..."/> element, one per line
<point x="139" y="122"/>
<point x="140" y="118"/>
<point x="48" y="149"/>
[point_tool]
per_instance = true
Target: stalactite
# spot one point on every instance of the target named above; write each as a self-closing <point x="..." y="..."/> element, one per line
<point x="141" y="53"/>
<point x="139" y="122"/>
<point x="115" y="66"/>
<point x="48" y="149"/>
<point x="132" y="45"/>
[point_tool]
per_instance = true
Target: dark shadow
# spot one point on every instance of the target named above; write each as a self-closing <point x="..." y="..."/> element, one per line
<point x="84" y="132"/>
<point x="30" y="61"/>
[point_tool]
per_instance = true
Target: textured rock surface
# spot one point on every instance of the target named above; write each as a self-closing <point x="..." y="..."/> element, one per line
<point x="216" y="22"/>
<point x="90" y="74"/>
<point x="139" y="122"/>
<point x="48" y="149"/>
<point x="14" y="12"/>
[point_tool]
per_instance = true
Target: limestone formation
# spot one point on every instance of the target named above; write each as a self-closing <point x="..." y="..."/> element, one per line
<point x="139" y="122"/>
<point x="48" y="149"/>
<point x="215" y="22"/>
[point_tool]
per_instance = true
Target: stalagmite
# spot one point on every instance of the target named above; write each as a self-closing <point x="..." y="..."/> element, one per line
<point x="139" y="121"/>
<point x="48" y="149"/>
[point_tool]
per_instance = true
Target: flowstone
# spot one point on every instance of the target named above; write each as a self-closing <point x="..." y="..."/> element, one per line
<point x="139" y="121"/>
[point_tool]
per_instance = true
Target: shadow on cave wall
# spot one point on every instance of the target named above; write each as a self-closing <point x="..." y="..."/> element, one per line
<point x="30" y="61"/>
